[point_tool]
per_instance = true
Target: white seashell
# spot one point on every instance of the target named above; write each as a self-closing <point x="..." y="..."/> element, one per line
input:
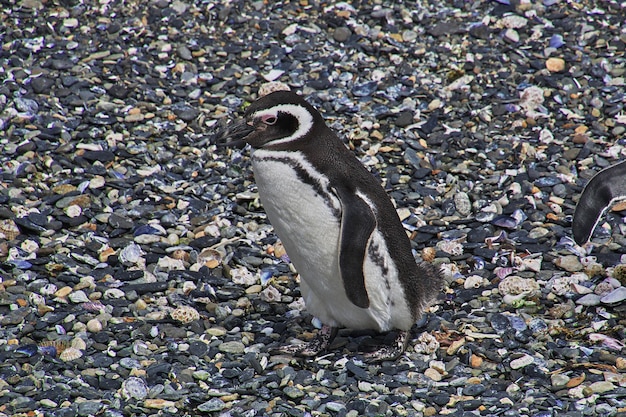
<point x="533" y="264"/>
<point x="73" y="211"/>
<point x="503" y="272"/>
<point x="426" y="344"/>
<point x="29" y="246"/>
<point x="48" y="289"/>
<point x="453" y="247"/>
<point x="70" y="354"/>
<point x="170" y="264"/>
<point x="130" y="254"/>
<point x="473" y="281"/>
<point x="185" y="314"/>
<point x="78" y="297"/>
<point x="516" y="285"/>
<point x="242" y="276"/>
<point x="36" y="299"/>
<point x="588" y="260"/>
<point x="270" y="294"/>
<point x="450" y="271"/>
<point x="563" y="285"/>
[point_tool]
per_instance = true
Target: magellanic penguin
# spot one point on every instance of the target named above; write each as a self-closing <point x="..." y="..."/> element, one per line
<point x="338" y="225"/>
<point x="604" y="189"/>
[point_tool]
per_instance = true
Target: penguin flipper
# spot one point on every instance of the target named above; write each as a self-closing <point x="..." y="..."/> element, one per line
<point x="357" y="224"/>
<point x="606" y="188"/>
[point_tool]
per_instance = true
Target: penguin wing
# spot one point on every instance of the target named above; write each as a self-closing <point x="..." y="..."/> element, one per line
<point x="603" y="190"/>
<point x="358" y="221"/>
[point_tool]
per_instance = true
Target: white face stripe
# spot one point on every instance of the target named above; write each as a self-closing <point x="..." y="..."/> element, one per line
<point x="304" y="117"/>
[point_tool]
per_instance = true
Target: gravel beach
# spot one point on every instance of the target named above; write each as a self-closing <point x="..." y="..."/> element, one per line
<point x="139" y="274"/>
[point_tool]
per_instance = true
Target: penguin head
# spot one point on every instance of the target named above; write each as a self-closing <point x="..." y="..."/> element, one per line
<point x="279" y="119"/>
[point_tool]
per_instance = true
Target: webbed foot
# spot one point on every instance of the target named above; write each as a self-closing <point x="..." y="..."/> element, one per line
<point x="320" y="343"/>
<point x="389" y="352"/>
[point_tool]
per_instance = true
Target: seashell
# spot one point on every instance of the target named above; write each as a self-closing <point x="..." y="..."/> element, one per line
<point x="532" y="263"/>
<point x="476" y="262"/>
<point x="280" y="252"/>
<point x="29" y="246"/>
<point x="211" y="258"/>
<point x="266" y="275"/>
<point x="242" y="276"/>
<point x="563" y="285"/>
<point x="603" y="288"/>
<point x="60" y="329"/>
<point x="270" y="294"/>
<point x="134" y="387"/>
<point x="426" y="344"/>
<point x="453" y="247"/>
<point x="607" y="341"/>
<point x="502" y="272"/>
<point x="504" y="221"/>
<point x="72" y="211"/>
<point x="48" y="289"/>
<point x="317" y="323"/>
<point x="429" y="254"/>
<point x="52" y="348"/>
<point x="516" y="285"/>
<point x="8" y="229"/>
<point x="556" y="41"/>
<point x="450" y="271"/>
<point x="561" y="311"/>
<point x="185" y="314"/>
<point x="473" y="281"/>
<point x="148" y="229"/>
<point x="28" y="350"/>
<point x="70" y="354"/>
<point x="501" y="237"/>
<point x="130" y="254"/>
<point x="580" y="289"/>
<point x="189" y="286"/>
<point x="36" y="299"/>
<point x="94" y="306"/>
<point x="181" y="255"/>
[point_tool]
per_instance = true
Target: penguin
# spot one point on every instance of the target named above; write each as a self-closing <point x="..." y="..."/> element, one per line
<point x="602" y="191"/>
<point x="337" y="224"/>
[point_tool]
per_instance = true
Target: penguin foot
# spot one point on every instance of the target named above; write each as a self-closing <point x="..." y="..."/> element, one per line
<point x="389" y="352"/>
<point x="320" y="343"/>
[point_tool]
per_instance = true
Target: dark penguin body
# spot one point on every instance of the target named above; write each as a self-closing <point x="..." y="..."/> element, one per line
<point x="338" y="225"/>
<point x="602" y="191"/>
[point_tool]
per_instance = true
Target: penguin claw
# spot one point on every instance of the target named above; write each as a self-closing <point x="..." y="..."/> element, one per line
<point x="390" y="352"/>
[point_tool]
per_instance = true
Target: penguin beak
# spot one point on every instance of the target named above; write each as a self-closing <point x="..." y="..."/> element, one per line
<point x="235" y="134"/>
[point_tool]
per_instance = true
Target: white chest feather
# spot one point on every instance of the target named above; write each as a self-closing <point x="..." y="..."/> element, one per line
<point x="307" y="217"/>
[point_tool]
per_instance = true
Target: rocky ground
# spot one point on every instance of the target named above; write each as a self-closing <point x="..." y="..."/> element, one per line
<point x="139" y="275"/>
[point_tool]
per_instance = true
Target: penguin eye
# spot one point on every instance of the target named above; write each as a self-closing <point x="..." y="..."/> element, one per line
<point x="269" y="119"/>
